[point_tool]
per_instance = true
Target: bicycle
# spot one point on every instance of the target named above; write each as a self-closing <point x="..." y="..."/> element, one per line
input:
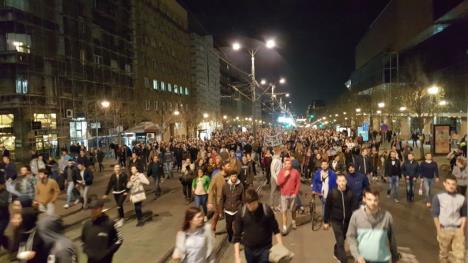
<point x="315" y="217"/>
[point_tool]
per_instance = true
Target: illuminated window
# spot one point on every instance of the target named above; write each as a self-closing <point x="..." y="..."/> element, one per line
<point x="21" y="85"/>
<point x="6" y="120"/>
<point x="19" y="4"/>
<point x="155" y="84"/>
<point x="186" y="91"/>
<point x="169" y="87"/>
<point x="19" y="42"/>
<point x="163" y="86"/>
<point x="82" y="56"/>
<point x="48" y="120"/>
<point x="176" y="89"/>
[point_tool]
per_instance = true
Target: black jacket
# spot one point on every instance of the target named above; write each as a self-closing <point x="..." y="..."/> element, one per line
<point x="155" y="169"/>
<point x="88" y="177"/>
<point x="138" y="163"/>
<point x="233" y="194"/>
<point x="392" y="170"/>
<point x="339" y="206"/>
<point x="118" y="186"/>
<point x="100" y="239"/>
<point x="410" y="169"/>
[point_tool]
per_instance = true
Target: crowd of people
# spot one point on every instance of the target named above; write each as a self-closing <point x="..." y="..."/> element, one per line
<point x="221" y="177"/>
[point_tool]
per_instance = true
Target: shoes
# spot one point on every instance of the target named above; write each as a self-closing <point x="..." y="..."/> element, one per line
<point x="119" y="223"/>
<point x="285" y="230"/>
<point x="140" y="223"/>
<point x="294" y="225"/>
<point x="77" y="201"/>
<point x="66" y="206"/>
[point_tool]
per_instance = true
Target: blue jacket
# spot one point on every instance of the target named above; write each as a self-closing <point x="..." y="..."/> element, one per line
<point x="317" y="181"/>
<point x="357" y="182"/>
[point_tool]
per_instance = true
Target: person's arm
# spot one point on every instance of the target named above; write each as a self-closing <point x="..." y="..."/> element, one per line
<point x="281" y="178"/>
<point x="436" y="212"/>
<point x="392" y="241"/>
<point x="463" y="214"/>
<point x="116" y="239"/>
<point x="143" y="179"/>
<point x="56" y="188"/>
<point x="436" y="172"/>
<point x="298" y="183"/>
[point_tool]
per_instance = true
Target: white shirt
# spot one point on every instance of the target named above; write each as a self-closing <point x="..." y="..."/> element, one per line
<point x="275" y="167"/>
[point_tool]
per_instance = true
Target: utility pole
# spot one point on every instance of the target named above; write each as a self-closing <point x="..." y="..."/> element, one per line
<point x="252" y="86"/>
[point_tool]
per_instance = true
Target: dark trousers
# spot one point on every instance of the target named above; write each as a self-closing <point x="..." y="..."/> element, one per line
<point x="101" y="166"/>
<point x="119" y="200"/>
<point x="339" y="229"/>
<point x="257" y="255"/>
<point x="3" y="225"/>
<point x="187" y="189"/>
<point x="229" y="225"/>
<point x="138" y="212"/>
<point x="216" y="217"/>
<point x="410" y="189"/>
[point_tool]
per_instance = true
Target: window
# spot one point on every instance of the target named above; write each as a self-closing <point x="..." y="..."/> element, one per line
<point x="155" y="84"/>
<point x="156" y="105"/>
<point x="146" y="80"/>
<point x="128" y="68"/>
<point x="82" y="56"/>
<point x="169" y="87"/>
<point x="113" y="64"/>
<point x="186" y="91"/>
<point x="19" y="42"/>
<point x="6" y="120"/>
<point x="163" y="87"/>
<point x="21" y="85"/>
<point x="148" y="105"/>
<point x="98" y="59"/>
<point x="48" y="120"/>
<point x="176" y="89"/>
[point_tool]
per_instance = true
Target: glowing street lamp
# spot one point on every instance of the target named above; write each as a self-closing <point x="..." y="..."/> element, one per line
<point x="282" y="80"/>
<point x="225" y="117"/>
<point x="236" y="46"/>
<point x="287" y="95"/>
<point x="105" y="104"/>
<point x="176" y="113"/>
<point x="443" y="103"/>
<point x="433" y="90"/>
<point x="379" y="112"/>
<point x="402" y="108"/>
<point x="344" y="112"/>
<point x="205" y="115"/>
<point x="270" y="43"/>
<point x="263" y="81"/>
<point x="381" y="104"/>
<point x="358" y="110"/>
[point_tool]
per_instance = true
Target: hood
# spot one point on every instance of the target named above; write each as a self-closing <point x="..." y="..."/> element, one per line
<point x="50" y="228"/>
<point x="230" y="183"/>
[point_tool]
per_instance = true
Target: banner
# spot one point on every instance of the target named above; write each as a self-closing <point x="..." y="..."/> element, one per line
<point x="441" y="139"/>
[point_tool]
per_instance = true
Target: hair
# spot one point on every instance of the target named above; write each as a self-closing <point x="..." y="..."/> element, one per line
<point x="251" y="196"/>
<point x="190" y="213"/>
<point x="340" y="174"/>
<point x="450" y="177"/>
<point x="44" y="171"/>
<point x="373" y="189"/>
<point x="28" y="168"/>
<point x="350" y="165"/>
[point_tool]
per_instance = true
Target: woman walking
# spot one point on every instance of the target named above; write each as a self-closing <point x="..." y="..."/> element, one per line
<point x="200" y="187"/>
<point x="194" y="243"/>
<point x="137" y="192"/>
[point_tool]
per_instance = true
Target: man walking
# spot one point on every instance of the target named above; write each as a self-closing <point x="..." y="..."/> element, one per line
<point x="410" y="170"/>
<point x="339" y="206"/>
<point x="370" y="233"/>
<point x="118" y="184"/>
<point x="357" y="183"/>
<point x="289" y="181"/>
<point x="83" y="182"/>
<point x="323" y="182"/>
<point x="255" y="224"/>
<point x="450" y="211"/>
<point x="99" y="235"/>
<point x="156" y="171"/>
<point x="47" y="192"/>
<point x="71" y="175"/>
<point x="275" y="168"/>
<point x="215" y="193"/>
<point x="429" y="172"/>
<point x="393" y="173"/>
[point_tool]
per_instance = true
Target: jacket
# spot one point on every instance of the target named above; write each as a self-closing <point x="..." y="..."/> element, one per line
<point x="50" y="229"/>
<point x="392" y="170"/>
<point x="363" y="164"/>
<point x="461" y="175"/>
<point x="87" y="178"/>
<point x="135" y="184"/>
<point x="118" y="186"/>
<point x="275" y="167"/>
<point x="233" y="196"/>
<point x="429" y="170"/>
<point x="180" y="246"/>
<point x="48" y="192"/>
<point x="372" y="236"/>
<point x="410" y="168"/>
<point x="317" y="181"/>
<point x="289" y="185"/>
<point x="205" y="181"/>
<point x="138" y="163"/>
<point x="100" y="239"/>
<point x="339" y="206"/>
<point x="155" y="169"/>
<point x="215" y="191"/>
<point x="357" y="183"/>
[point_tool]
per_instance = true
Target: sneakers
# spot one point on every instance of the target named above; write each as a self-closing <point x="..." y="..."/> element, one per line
<point x="285" y="230"/>
<point x="294" y="225"/>
<point x="119" y="223"/>
<point x="66" y="206"/>
<point x="77" y="201"/>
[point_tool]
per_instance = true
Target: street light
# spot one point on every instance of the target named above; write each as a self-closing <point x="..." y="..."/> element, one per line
<point x="344" y="112"/>
<point x="287" y="95"/>
<point x="236" y="46"/>
<point x="176" y="113"/>
<point x="205" y="115"/>
<point x="336" y="115"/>
<point x="270" y="43"/>
<point x="433" y="90"/>
<point x="402" y="108"/>
<point x="282" y="80"/>
<point x="358" y="110"/>
<point x="263" y="81"/>
<point x="105" y="104"/>
<point x="443" y="103"/>
<point x="379" y="112"/>
<point x="225" y="117"/>
<point x="381" y="104"/>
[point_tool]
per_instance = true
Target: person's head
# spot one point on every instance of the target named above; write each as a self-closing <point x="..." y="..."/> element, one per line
<point x="428" y="157"/>
<point x="324" y="165"/>
<point x="233" y="178"/>
<point x="341" y="181"/>
<point x="287" y="164"/>
<point x="450" y="184"/>
<point x="410" y="156"/>
<point x="351" y="168"/>
<point x="249" y="157"/>
<point x="251" y="199"/>
<point x="393" y="155"/>
<point x="364" y="151"/>
<point x="318" y="156"/>
<point x="134" y="155"/>
<point x="24" y="170"/>
<point x="225" y="165"/>
<point x="133" y="170"/>
<point x="460" y="162"/>
<point x="200" y="172"/>
<point x="81" y="166"/>
<point x="95" y="206"/>
<point x="155" y="158"/>
<point x="70" y="163"/>
<point x="337" y="158"/>
<point x="117" y="168"/>
<point x="193" y="218"/>
<point x="42" y="173"/>
<point x="371" y="198"/>
<point x="6" y="160"/>
<point x="82" y="153"/>
<point x="40" y="157"/>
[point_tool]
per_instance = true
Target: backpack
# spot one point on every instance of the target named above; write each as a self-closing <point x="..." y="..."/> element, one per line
<point x="264" y="206"/>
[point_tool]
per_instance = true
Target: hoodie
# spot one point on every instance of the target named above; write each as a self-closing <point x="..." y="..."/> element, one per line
<point x="233" y="196"/>
<point x="62" y="249"/>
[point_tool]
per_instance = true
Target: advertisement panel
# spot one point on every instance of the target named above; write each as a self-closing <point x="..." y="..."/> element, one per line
<point x="441" y="141"/>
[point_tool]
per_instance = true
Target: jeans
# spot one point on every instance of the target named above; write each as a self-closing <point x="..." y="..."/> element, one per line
<point x="339" y="229"/>
<point x="70" y="195"/>
<point x="200" y="201"/>
<point x="157" y="182"/>
<point x="427" y="189"/>
<point x="168" y="169"/>
<point x="3" y="225"/>
<point x="101" y="166"/>
<point x="229" y="225"/>
<point x="119" y="200"/>
<point x="84" y="195"/>
<point x="410" y="188"/>
<point x="187" y="189"/>
<point x="138" y="212"/>
<point x="394" y="183"/>
<point x="258" y="255"/>
<point x="273" y="190"/>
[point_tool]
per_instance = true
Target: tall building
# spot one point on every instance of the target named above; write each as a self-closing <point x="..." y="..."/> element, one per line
<point x="58" y="61"/>
<point x="415" y="44"/>
<point x="207" y="87"/>
<point x="163" y="76"/>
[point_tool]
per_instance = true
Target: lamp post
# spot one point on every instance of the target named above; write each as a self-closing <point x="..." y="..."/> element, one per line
<point x="105" y="104"/>
<point x="270" y="43"/>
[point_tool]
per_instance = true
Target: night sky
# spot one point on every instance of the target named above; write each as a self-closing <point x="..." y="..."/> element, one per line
<point x="316" y="39"/>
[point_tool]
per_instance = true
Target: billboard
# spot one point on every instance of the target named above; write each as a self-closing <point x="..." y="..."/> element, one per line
<point x="441" y="140"/>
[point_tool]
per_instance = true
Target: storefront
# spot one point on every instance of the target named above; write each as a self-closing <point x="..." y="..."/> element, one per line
<point x="78" y="131"/>
<point x="45" y="134"/>
<point x="7" y="139"/>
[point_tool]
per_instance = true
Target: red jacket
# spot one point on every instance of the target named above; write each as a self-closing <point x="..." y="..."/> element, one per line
<point x="289" y="185"/>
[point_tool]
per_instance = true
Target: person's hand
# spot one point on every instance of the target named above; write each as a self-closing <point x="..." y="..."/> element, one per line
<point x="326" y="226"/>
<point x="361" y="260"/>
<point x="125" y="193"/>
<point x="26" y="255"/>
<point x="286" y="173"/>
<point x="210" y="206"/>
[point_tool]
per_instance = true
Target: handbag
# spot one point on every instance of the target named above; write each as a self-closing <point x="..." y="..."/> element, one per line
<point x="280" y="254"/>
